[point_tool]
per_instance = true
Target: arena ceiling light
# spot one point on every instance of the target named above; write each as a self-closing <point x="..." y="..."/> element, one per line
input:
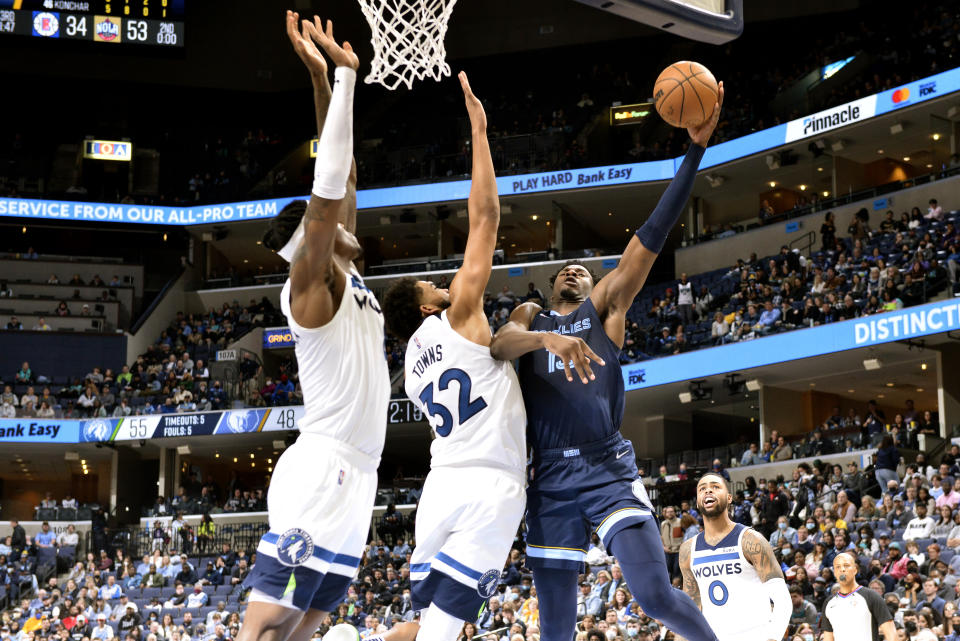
<point x="896" y="128"/>
<point x="838" y="145"/>
<point x="773" y="162"/>
<point x="872" y="363"/>
<point x="754" y="385"/>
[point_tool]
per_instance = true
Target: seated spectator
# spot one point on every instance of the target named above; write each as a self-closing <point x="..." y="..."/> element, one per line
<point x="69" y="537"/>
<point x="14" y="324"/>
<point x="110" y="590"/>
<point x="179" y="598"/>
<point x="24" y="374"/>
<point x="934" y="212"/>
<point x="198" y="598"/>
<point x="41" y="325"/>
<point x="920" y="526"/>
<point x="783" y="533"/>
<point x="751" y="456"/>
<point x="783" y="451"/>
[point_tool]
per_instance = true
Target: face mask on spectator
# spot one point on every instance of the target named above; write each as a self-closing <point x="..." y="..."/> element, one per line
<point x="633" y="632"/>
<point x="807" y="636"/>
<point x="782" y="526"/>
<point x="786" y="552"/>
<point x="811" y="525"/>
<point x="611" y="634"/>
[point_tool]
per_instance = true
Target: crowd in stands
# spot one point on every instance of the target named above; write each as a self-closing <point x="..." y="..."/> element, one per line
<point x="541" y="121"/>
<point x="869" y="271"/>
<point x="900" y="520"/>
<point x="173" y="375"/>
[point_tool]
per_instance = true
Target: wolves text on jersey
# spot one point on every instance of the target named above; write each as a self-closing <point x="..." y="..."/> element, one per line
<point x="429" y="356"/>
<point x="718" y="570"/>
<point x="363" y="295"/>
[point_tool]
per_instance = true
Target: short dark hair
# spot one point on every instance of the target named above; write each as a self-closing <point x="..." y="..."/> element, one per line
<point x="401" y="308"/>
<point x="281" y="228"/>
<point x="719" y="476"/>
<point x="593" y="274"/>
<point x="795" y="589"/>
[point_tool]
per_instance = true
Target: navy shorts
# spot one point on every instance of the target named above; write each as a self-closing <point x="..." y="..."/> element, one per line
<point x="317" y="581"/>
<point x="576" y="491"/>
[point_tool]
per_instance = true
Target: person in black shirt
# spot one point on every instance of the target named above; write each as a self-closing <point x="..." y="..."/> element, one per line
<point x="773" y="505"/>
<point x="828" y="232"/>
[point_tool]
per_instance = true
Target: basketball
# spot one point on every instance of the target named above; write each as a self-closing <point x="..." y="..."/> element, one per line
<point x="685" y="93"/>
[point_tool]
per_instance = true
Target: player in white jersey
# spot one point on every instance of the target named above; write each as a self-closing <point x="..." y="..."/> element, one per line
<point x="323" y="487"/>
<point x="730" y="571"/>
<point x="473" y="498"/>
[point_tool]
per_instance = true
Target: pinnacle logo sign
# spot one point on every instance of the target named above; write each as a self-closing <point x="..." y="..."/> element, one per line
<point x="829" y="119"/>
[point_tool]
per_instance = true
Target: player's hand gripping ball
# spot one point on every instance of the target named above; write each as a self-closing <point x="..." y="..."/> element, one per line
<point x="685" y="94"/>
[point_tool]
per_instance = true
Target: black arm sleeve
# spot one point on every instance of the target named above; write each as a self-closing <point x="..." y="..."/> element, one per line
<point x="878" y="609"/>
<point x="824" y="619"/>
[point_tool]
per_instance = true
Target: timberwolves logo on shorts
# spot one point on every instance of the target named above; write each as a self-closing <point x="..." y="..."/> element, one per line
<point x="294" y="547"/>
<point x="488" y="582"/>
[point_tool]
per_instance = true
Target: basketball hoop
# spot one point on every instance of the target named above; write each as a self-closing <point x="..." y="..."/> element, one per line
<point x="407" y="40"/>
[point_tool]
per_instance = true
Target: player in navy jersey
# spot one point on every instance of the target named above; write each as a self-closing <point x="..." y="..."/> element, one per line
<point x="583" y="475"/>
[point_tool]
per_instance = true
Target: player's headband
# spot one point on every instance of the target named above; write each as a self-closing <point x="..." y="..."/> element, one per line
<point x="288" y="250"/>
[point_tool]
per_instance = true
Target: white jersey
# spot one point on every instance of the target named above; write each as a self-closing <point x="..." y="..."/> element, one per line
<point x="343" y="370"/>
<point x="472" y="401"/>
<point x="685" y="293"/>
<point x="732" y="596"/>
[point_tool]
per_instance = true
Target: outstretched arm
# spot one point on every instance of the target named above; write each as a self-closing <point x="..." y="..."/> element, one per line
<point x="334" y="152"/>
<point x="515" y="339"/>
<point x="618" y="289"/>
<point x="483" y="208"/>
<point x="311" y="264"/>
<point x="759" y="554"/>
<point x="306" y="49"/>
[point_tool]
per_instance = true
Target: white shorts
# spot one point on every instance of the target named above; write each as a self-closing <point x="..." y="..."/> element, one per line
<point x="320" y="500"/>
<point x="466" y="522"/>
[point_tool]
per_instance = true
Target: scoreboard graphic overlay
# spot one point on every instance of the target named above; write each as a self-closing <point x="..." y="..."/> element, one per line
<point x="140" y="22"/>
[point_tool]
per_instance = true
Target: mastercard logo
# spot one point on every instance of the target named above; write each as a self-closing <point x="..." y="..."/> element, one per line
<point x="901" y="95"/>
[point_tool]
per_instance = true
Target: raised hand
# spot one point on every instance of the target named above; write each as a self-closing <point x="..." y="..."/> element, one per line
<point x="342" y="56"/>
<point x="478" y="117"/>
<point x="701" y="133"/>
<point x="304" y="46"/>
<point x="570" y="349"/>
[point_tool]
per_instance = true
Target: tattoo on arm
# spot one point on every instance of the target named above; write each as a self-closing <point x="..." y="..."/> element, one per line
<point x="689" y="582"/>
<point x="760" y="555"/>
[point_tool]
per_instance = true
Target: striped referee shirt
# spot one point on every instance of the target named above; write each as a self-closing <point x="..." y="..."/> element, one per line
<point x="856" y="616"/>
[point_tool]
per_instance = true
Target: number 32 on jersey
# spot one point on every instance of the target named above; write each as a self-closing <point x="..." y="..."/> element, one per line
<point x="441" y="417"/>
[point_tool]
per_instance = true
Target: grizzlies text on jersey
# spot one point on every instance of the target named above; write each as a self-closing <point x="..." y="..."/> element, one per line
<point x="561" y="413"/>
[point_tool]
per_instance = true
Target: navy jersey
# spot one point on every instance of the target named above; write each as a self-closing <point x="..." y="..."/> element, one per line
<point x="562" y="413"/>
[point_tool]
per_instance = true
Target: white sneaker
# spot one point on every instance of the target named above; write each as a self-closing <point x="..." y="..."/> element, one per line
<point x="342" y="632"/>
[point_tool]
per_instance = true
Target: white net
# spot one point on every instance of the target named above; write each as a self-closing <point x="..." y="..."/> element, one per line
<point x="407" y="40"/>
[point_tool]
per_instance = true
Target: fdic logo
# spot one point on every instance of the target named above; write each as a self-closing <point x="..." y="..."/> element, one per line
<point x="637" y="376"/>
<point x="106" y="29"/>
<point x="902" y="94"/>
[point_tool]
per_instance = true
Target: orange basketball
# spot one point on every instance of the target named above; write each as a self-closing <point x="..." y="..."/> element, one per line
<point x="685" y="93"/>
